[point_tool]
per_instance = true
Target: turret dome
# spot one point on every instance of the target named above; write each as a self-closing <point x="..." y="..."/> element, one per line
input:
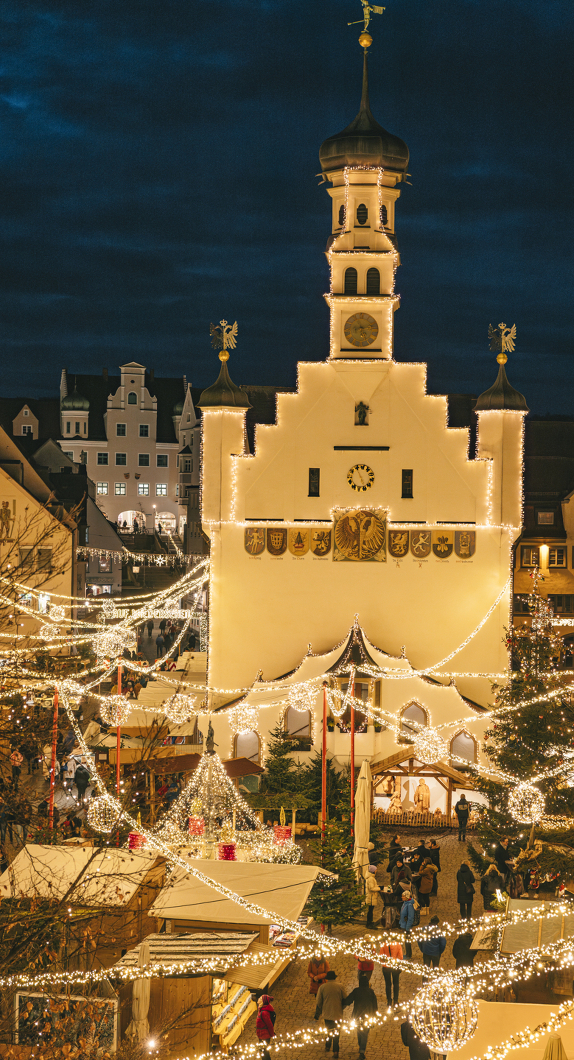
<point x="75" y="402"/>
<point x="502" y="396"/>
<point x="364" y="142"/>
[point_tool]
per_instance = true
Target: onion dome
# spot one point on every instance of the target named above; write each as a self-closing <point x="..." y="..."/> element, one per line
<point x="75" y="402"/>
<point x="502" y="396"/>
<point x="223" y="393"/>
<point x="364" y="142"/>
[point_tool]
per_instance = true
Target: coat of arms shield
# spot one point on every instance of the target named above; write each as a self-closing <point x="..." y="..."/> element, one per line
<point x="360" y="535"/>
<point x="255" y="540"/>
<point x="442" y="543"/>
<point x="298" y="542"/>
<point x="320" y="542"/>
<point x="398" y="543"/>
<point x="276" y="540"/>
<point x="420" y="543"/>
<point x="465" y="543"/>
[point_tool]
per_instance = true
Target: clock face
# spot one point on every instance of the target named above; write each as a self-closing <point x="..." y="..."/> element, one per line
<point x="361" y="478"/>
<point x="361" y="329"/>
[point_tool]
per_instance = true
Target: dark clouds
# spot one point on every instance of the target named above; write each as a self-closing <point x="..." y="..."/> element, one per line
<point x="157" y="166"/>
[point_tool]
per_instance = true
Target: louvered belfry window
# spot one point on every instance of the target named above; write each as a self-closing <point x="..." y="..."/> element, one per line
<point x="341" y="215"/>
<point x="362" y="214"/>
<point x="350" y="281"/>
<point x="373" y="281"/>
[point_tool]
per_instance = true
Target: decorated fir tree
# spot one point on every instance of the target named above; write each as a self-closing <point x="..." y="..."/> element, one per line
<point x="531" y="734"/>
<point x="313" y="781"/>
<point x="335" y="902"/>
<point x="281" y="772"/>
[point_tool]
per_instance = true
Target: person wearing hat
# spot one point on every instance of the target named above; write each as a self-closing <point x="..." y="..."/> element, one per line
<point x="372" y="891"/>
<point x="265" y="1025"/>
<point x="330" y="1005"/>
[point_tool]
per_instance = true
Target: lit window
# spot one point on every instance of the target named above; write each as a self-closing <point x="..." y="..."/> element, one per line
<point x="103" y="459"/>
<point x="102" y="489"/>
<point x="545" y="518"/>
<point x="143" y="489"/>
<point x="121" y="459"/>
<point x="144" y="430"/>
<point x="104" y="564"/>
<point x="162" y="460"/>
<point x="161" y="489"/>
<point x="143" y="459"/>
<point x="463" y="747"/>
<point x="557" y="557"/>
<point x="120" y="430"/>
<point x="26" y="428"/>
<point x="120" y="489"/>
<point x="132" y="398"/>
<point x="529" y="556"/>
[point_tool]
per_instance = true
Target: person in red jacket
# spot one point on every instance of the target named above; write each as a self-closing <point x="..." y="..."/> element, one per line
<point x="365" y="967"/>
<point x="265" y="1025"/>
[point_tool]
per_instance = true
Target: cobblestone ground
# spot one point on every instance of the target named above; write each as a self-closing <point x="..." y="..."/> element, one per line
<point x="295" y="1006"/>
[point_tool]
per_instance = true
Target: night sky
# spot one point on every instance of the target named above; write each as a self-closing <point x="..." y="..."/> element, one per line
<point x="158" y="173"/>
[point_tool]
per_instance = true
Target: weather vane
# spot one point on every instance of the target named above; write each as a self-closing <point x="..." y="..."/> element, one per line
<point x="223" y="337"/>
<point x="502" y="339"/>
<point x="368" y="10"/>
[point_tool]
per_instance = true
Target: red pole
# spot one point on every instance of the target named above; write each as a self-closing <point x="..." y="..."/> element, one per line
<point x="118" y="741"/>
<point x="353" y="753"/>
<point x="324" y="765"/>
<point x="53" y="763"/>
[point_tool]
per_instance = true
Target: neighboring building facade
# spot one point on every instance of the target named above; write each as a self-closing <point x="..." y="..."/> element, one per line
<point x="361" y="501"/>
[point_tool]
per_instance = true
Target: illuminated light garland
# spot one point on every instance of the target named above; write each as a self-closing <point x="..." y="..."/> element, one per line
<point x="243" y="718"/>
<point x="178" y="709"/>
<point x="115" y="709"/>
<point x="429" y="747"/>
<point x="444" y="1016"/>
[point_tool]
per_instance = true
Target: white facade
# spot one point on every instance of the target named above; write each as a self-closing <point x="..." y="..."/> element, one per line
<point x="361" y="501"/>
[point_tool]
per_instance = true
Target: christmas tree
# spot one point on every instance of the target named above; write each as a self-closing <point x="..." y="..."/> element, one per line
<point x="281" y="774"/>
<point x="531" y="735"/>
<point x="335" y="901"/>
<point x="313" y="781"/>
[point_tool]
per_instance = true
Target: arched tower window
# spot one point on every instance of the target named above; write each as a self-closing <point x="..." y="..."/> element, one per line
<point x="350" y="281"/>
<point x="362" y="214"/>
<point x="384" y="215"/>
<point x="413" y="713"/>
<point x="132" y="398"/>
<point x="341" y="215"/>
<point x="297" y="723"/>
<point x="463" y="747"/>
<point x="373" y="281"/>
<point x="247" y="745"/>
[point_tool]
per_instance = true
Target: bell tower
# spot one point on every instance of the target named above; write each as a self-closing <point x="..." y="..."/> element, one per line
<point x="364" y="164"/>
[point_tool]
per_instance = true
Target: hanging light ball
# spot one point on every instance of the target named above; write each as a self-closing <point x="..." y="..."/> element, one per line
<point x="526" y="803"/>
<point x="111" y="643"/>
<point x="444" y="1017"/>
<point x="179" y="708"/>
<point x="429" y="747"/>
<point x="102" y="814"/>
<point x="115" y="710"/>
<point x="243" y="718"/>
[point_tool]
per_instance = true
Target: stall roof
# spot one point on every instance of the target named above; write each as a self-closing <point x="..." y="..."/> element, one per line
<point x="91" y="876"/>
<point x="234" y="767"/>
<point x="280" y="889"/>
<point x="538" y="932"/>
<point x="175" y="949"/>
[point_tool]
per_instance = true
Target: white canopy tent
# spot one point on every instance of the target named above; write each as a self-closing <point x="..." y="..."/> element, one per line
<point x="362" y="822"/>
<point x="107" y="876"/>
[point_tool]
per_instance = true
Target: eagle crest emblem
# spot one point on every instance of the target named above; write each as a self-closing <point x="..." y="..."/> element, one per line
<point x="360" y="535"/>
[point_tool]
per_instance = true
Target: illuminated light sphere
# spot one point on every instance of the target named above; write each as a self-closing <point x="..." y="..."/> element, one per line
<point x="526" y="803"/>
<point x="444" y="1017"/>
<point x="429" y="747"/>
<point x="102" y="814"/>
<point x="243" y="718"/>
<point x="179" y="708"/>
<point x="111" y="643"/>
<point x="115" y="710"/>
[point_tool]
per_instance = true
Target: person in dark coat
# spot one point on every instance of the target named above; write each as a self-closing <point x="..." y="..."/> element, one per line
<point x="330" y="999"/>
<point x="465" y="890"/>
<point x="462" y="952"/>
<point x="400" y="871"/>
<point x="433" y="948"/>
<point x="490" y="883"/>
<point x="395" y="849"/>
<point x="417" y="1050"/>
<point x="462" y="810"/>
<point x="364" y="1001"/>
<point x="421" y="851"/>
<point x="504" y="861"/>
<point x="434" y="855"/>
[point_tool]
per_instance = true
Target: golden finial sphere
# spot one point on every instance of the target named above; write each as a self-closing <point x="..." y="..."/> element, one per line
<point x="223" y="356"/>
<point x="502" y="358"/>
<point x="365" y="40"/>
